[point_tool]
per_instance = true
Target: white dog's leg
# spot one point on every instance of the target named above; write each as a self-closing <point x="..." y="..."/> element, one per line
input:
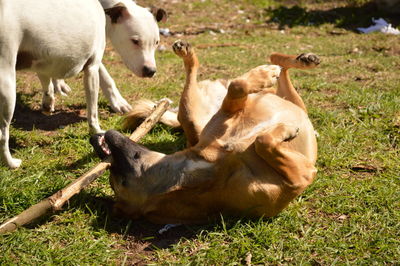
<point x="107" y="84"/>
<point x="7" y="100"/>
<point x="60" y="87"/>
<point x="48" y="94"/>
<point x="91" y="83"/>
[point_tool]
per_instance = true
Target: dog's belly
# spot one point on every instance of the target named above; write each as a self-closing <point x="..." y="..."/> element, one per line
<point x="54" y="67"/>
<point x="264" y="112"/>
<point x="246" y="184"/>
<point x="59" y="38"/>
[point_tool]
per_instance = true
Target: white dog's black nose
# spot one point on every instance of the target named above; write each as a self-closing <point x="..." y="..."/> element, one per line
<point x="148" y="72"/>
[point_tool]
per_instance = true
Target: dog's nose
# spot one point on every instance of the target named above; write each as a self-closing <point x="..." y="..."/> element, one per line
<point x="148" y="72"/>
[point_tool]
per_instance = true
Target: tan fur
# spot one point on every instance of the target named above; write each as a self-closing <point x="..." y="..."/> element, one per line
<point x="142" y="109"/>
<point x="251" y="157"/>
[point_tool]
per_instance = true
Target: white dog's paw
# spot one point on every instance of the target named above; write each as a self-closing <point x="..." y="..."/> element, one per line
<point x="48" y="103"/>
<point x="120" y="106"/>
<point x="61" y="87"/>
<point x="93" y="130"/>
<point x="13" y="163"/>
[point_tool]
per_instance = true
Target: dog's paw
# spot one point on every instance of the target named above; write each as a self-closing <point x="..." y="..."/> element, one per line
<point x="262" y="77"/>
<point x="61" y="87"/>
<point x="95" y="129"/>
<point x="290" y="132"/>
<point x="48" y="103"/>
<point x="284" y="132"/>
<point x="272" y="74"/>
<point x="309" y="59"/>
<point x="120" y="105"/>
<point x="182" y="48"/>
<point x="14" y="163"/>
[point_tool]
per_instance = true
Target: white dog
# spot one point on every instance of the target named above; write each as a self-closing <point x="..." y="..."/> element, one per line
<point x="59" y="39"/>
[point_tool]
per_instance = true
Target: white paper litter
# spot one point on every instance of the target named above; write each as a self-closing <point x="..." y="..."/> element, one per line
<point x="167" y="227"/>
<point x="380" y="25"/>
<point x="165" y="32"/>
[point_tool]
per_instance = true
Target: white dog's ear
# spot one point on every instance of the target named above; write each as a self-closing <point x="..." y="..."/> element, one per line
<point x="159" y="14"/>
<point x="117" y="12"/>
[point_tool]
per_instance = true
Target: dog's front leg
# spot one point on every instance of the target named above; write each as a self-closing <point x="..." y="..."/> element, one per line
<point x="190" y="102"/>
<point x="48" y="94"/>
<point x="286" y="89"/>
<point x="107" y="84"/>
<point x="91" y="83"/>
<point x="7" y="104"/>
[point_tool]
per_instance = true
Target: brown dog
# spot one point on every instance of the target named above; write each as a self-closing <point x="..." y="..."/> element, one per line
<point x="251" y="149"/>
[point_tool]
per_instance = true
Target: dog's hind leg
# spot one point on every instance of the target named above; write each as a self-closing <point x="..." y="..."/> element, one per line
<point x="256" y="80"/>
<point x="286" y="89"/>
<point x="7" y="100"/>
<point x="191" y="96"/>
<point x="48" y="93"/>
<point x="296" y="169"/>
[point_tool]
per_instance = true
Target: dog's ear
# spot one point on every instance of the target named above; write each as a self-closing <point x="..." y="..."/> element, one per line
<point x="159" y="14"/>
<point x="117" y="12"/>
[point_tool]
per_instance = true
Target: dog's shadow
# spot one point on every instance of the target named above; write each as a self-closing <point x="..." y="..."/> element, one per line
<point x="143" y="236"/>
<point x="140" y="234"/>
<point x="27" y="119"/>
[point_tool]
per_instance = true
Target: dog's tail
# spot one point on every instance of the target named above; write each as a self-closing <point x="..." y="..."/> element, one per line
<point x="142" y="109"/>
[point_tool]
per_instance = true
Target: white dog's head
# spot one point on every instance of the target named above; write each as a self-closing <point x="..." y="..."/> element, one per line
<point x="134" y="33"/>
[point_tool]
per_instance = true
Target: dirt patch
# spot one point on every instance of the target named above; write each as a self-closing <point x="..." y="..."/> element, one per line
<point x="137" y="239"/>
<point x="143" y="238"/>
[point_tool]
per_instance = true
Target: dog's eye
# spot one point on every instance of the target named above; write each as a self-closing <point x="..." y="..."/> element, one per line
<point x="135" y="41"/>
<point x="136" y="156"/>
<point x="157" y="42"/>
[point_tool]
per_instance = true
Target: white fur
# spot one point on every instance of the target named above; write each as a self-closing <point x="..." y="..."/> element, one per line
<point x="192" y="166"/>
<point x="65" y="37"/>
<point x="139" y="25"/>
<point x="255" y="131"/>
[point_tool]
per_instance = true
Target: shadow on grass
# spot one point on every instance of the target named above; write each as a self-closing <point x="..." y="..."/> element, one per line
<point x="349" y="17"/>
<point x="143" y="236"/>
<point x="27" y="119"/>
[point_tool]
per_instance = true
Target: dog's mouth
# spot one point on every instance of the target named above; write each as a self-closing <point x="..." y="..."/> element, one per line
<point x="103" y="145"/>
<point x="121" y="148"/>
<point x="100" y="146"/>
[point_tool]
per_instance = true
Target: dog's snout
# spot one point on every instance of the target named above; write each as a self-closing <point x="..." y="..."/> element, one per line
<point x="148" y="72"/>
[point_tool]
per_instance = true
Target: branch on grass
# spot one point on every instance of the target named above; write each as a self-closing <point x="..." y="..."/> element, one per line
<point x="57" y="200"/>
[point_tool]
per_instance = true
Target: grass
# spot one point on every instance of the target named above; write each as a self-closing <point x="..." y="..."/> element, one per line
<point x="349" y="215"/>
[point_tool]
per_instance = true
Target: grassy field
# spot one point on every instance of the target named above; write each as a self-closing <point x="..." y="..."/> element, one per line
<point x="349" y="215"/>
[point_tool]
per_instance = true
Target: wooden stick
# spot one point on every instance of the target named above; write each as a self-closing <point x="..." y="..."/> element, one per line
<point x="57" y="200"/>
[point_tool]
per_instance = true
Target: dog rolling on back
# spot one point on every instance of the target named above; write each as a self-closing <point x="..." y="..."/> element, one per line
<point x="249" y="155"/>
